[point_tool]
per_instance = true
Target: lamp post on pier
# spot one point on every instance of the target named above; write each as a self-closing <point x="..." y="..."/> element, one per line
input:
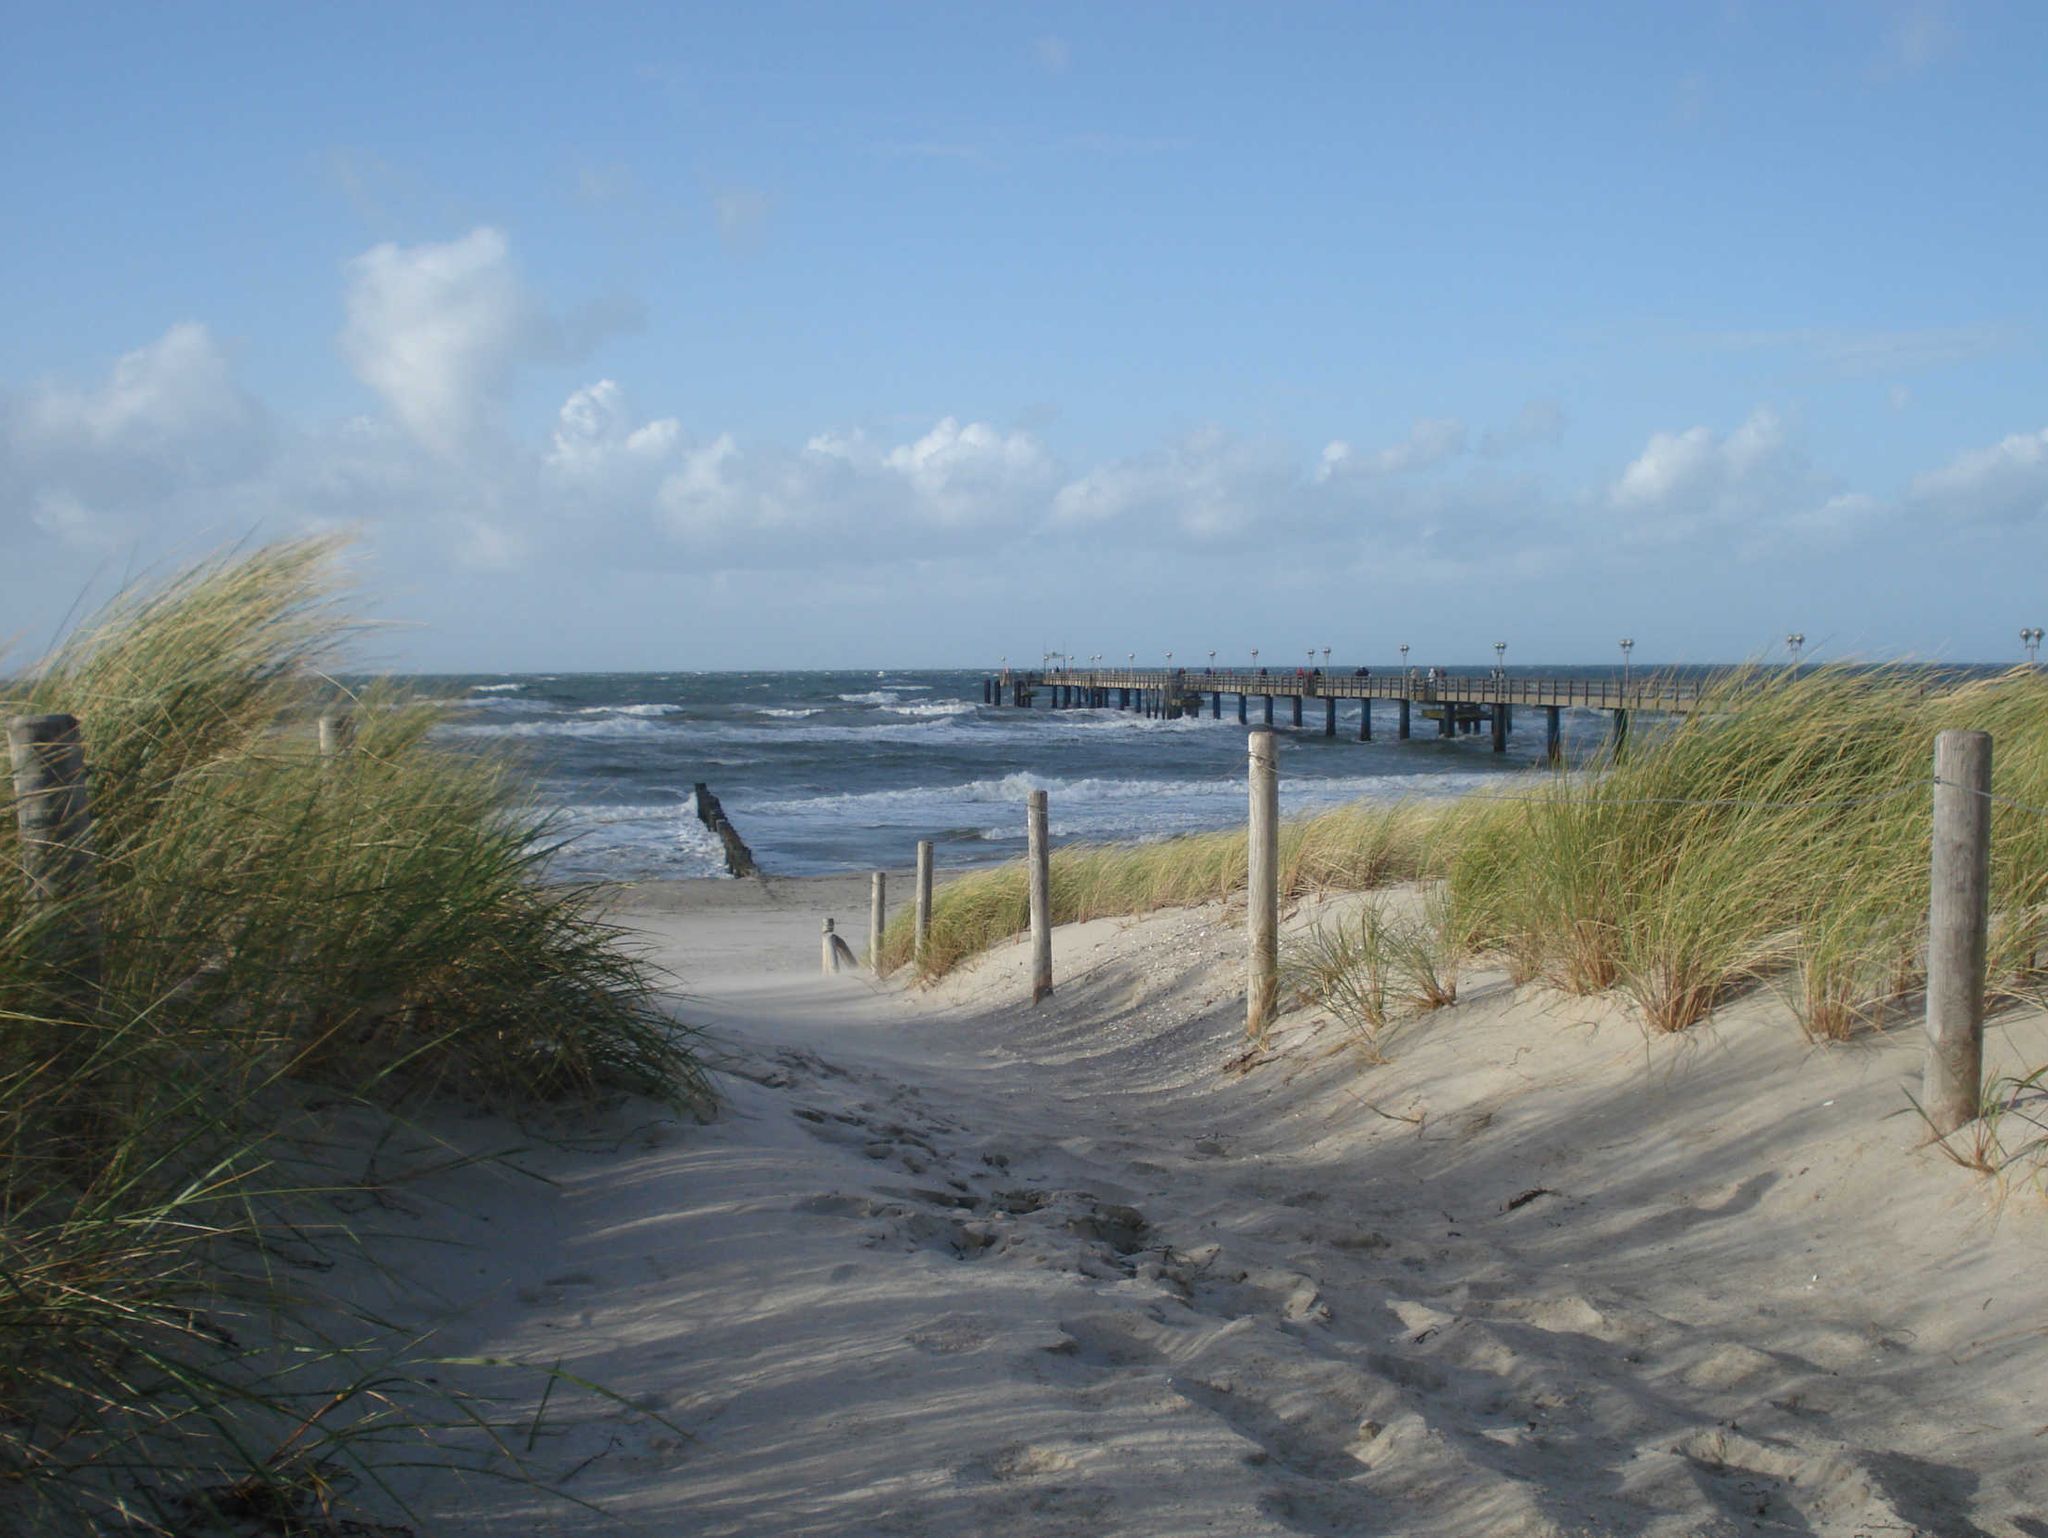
<point x="1795" y="643"/>
<point x="1255" y="659"/>
<point x="1628" y="644"/>
<point x="2031" y="640"/>
<point x="1500" y="659"/>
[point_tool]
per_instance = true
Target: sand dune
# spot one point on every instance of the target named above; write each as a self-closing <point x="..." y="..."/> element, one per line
<point x="950" y="1265"/>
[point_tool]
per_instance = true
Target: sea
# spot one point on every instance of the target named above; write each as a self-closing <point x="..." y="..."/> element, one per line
<point x="835" y="772"/>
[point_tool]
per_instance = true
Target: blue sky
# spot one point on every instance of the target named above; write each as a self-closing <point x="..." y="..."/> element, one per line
<point x="895" y="335"/>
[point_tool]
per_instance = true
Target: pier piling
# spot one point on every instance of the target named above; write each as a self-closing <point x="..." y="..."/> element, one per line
<point x="1365" y="719"/>
<point x="1401" y="731"/>
<point x="1553" y="734"/>
<point x="1958" y="910"/>
<point x="1330" y="717"/>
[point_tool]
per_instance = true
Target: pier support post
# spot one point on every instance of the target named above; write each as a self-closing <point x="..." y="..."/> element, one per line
<point x="1619" y="739"/>
<point x="1500" y="727"/>
<point x="923" y="922"/>
<point x="1958" y="911"/>
<point x="53" y="810"/>
<point x="1243" y="709"/>
<point x="878" y="913"/>
<point x="1365" y="719"/>
<point x="1401" y="728"/>
<point x="1297" y="712"/>
<point x="1262" y="896"/>
<point x="1269" y="710"/>
<point x="1447" y="725"/>
<point x="1553" y="734"/>
<point x="1330" y="717"/>
<point x="1041" y="897"/>
<point x="1216" y="705"/>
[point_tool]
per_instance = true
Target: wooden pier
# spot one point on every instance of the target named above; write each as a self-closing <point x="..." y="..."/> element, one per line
<point x="1455" y="704"/>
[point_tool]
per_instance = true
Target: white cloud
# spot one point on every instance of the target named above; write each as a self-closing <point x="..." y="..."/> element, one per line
<point x="94" y="466"/>
<point x="1208" y="485"/>
<point x="2006" y="482"/>
<point x="436" y="331"/>
<point x="1431" y="441"/>
<point x="594" y="436"/>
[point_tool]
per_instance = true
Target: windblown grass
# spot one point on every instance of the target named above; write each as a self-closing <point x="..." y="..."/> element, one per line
<point x="277" y="927"/>
<point x="1350" y="848"/>
<point x="1778" y="834"/>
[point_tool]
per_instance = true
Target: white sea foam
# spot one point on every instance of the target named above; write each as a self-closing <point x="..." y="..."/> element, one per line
<point x="873" y="697"/>
<point x="786" y="713"/>
<point x="933" y="708"/>
<point x="630" y="710"/>
<point x="615" y="839"/>
<point x="580" y="726"/>
<point x="494" y="688"/>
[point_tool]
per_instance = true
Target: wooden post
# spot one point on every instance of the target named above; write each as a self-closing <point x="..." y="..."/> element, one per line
<point x="1216" y="705"/>
<point x="1401" y="730"/>
<point x="1243" y="709"/>
<point x="337" y="733"/>
<point x="1620" y="739"/>
<point x="1958" y="910"/>
<point x="1297" y="712"/>
<point x="923" y="921"/>
<point x="1330" y="716"/>
<point x="53" y="808"/>
<point x="1553" y="734"/>
<point x="1269" y="710"/>
<point x="1500" y="727"/>
<point x="1262" y="888"/>
<point x="878" y="912"/>
<point x="831" y="961"/>
<point x="1041" y="897"/>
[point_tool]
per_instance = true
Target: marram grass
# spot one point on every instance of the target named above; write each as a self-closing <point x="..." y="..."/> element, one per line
<point x="1778" y="835"/>
<point x="278" y="929"/>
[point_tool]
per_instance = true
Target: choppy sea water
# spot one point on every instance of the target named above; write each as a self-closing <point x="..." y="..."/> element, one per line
<point x="825" y="772"/>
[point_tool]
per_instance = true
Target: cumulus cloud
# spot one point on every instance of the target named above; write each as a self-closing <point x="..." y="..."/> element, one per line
<point x="92" y="465"/>
<point x="436" y="330"/>
<point x="1431" y="441"/>
<point x="2006" y="482"/>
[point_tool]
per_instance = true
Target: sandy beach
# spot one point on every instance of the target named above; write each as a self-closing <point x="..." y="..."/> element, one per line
<point x="946" y="1264"/>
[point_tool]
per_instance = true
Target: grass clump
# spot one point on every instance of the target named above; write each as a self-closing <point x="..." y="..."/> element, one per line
<point x="1347" y="849"/>
<point x="279" y="931"/>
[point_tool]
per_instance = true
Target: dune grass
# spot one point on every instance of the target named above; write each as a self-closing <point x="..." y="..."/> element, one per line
<point x="1779" y="834"/>
<point x="1350" y="848"/>
<point x="280" y="931"/>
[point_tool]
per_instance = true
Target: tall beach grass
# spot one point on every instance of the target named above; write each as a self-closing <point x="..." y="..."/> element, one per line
<point x="279" y="931"/>
<point x="1777" y="835"/>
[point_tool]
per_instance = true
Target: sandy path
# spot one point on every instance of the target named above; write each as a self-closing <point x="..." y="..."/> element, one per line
<point x="948" y="1265"/>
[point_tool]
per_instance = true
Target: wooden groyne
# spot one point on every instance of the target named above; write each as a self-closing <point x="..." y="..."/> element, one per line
<point x="1456" y="705"/>
<point x="739" y="859"/>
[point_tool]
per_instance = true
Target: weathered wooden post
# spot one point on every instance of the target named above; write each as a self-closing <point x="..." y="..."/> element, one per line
<point x="878" y="911"/>
<point x="1297" y="712"/>
<point x="1958" y="911"/>
<point x="1619" y="743"/>
<point x="1040" y="856"/>
<point x="923" y="922"/>
<point x="1243" y="710"/>
<point x="1553" y="734"/>
<point x="1401" y="727"/>
<point x="1365" y="719"/>
<point x="1262" y="888"/>
<point x="1330" y="716"/>
<point x="53" y="808"/>
<point x="1269" y="710"/>
<point x="337" y="733"/>
<point x="1500" y="727"/>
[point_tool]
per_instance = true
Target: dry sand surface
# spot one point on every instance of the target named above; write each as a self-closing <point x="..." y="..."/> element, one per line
<point x="949" y="1265"/>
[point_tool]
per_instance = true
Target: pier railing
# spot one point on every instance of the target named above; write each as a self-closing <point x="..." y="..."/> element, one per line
<point x="1652" y="693"/>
